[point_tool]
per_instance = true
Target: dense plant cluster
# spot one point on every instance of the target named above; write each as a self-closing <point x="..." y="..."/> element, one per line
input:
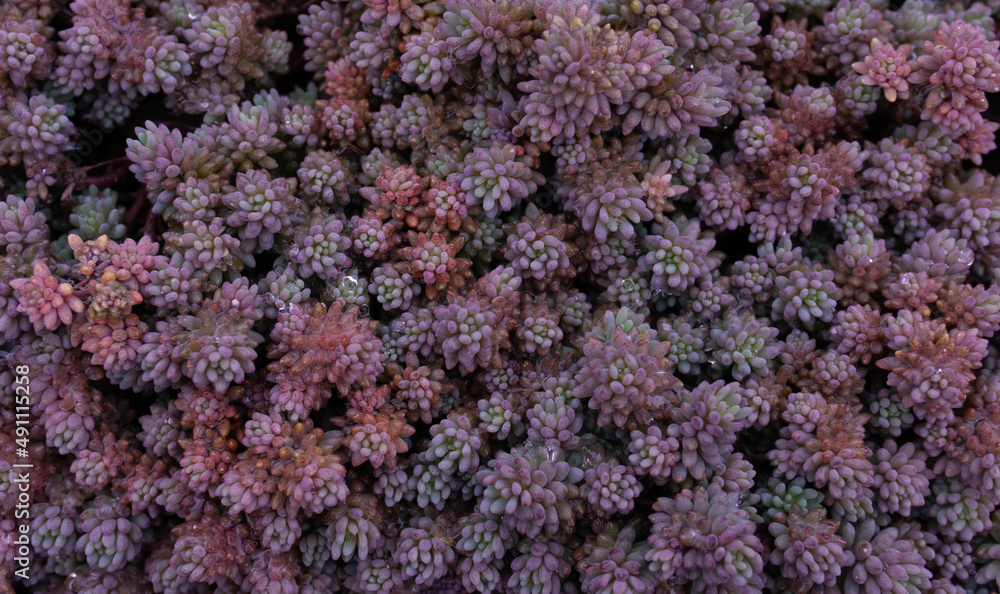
<point x="524" y="296"/>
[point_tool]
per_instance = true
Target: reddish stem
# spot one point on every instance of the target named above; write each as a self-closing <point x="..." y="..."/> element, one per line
<point x="150" y="227"/>
<point x="108" y="162"/>
<point x="108" y="178"/>
<point x="133" y="212"/>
